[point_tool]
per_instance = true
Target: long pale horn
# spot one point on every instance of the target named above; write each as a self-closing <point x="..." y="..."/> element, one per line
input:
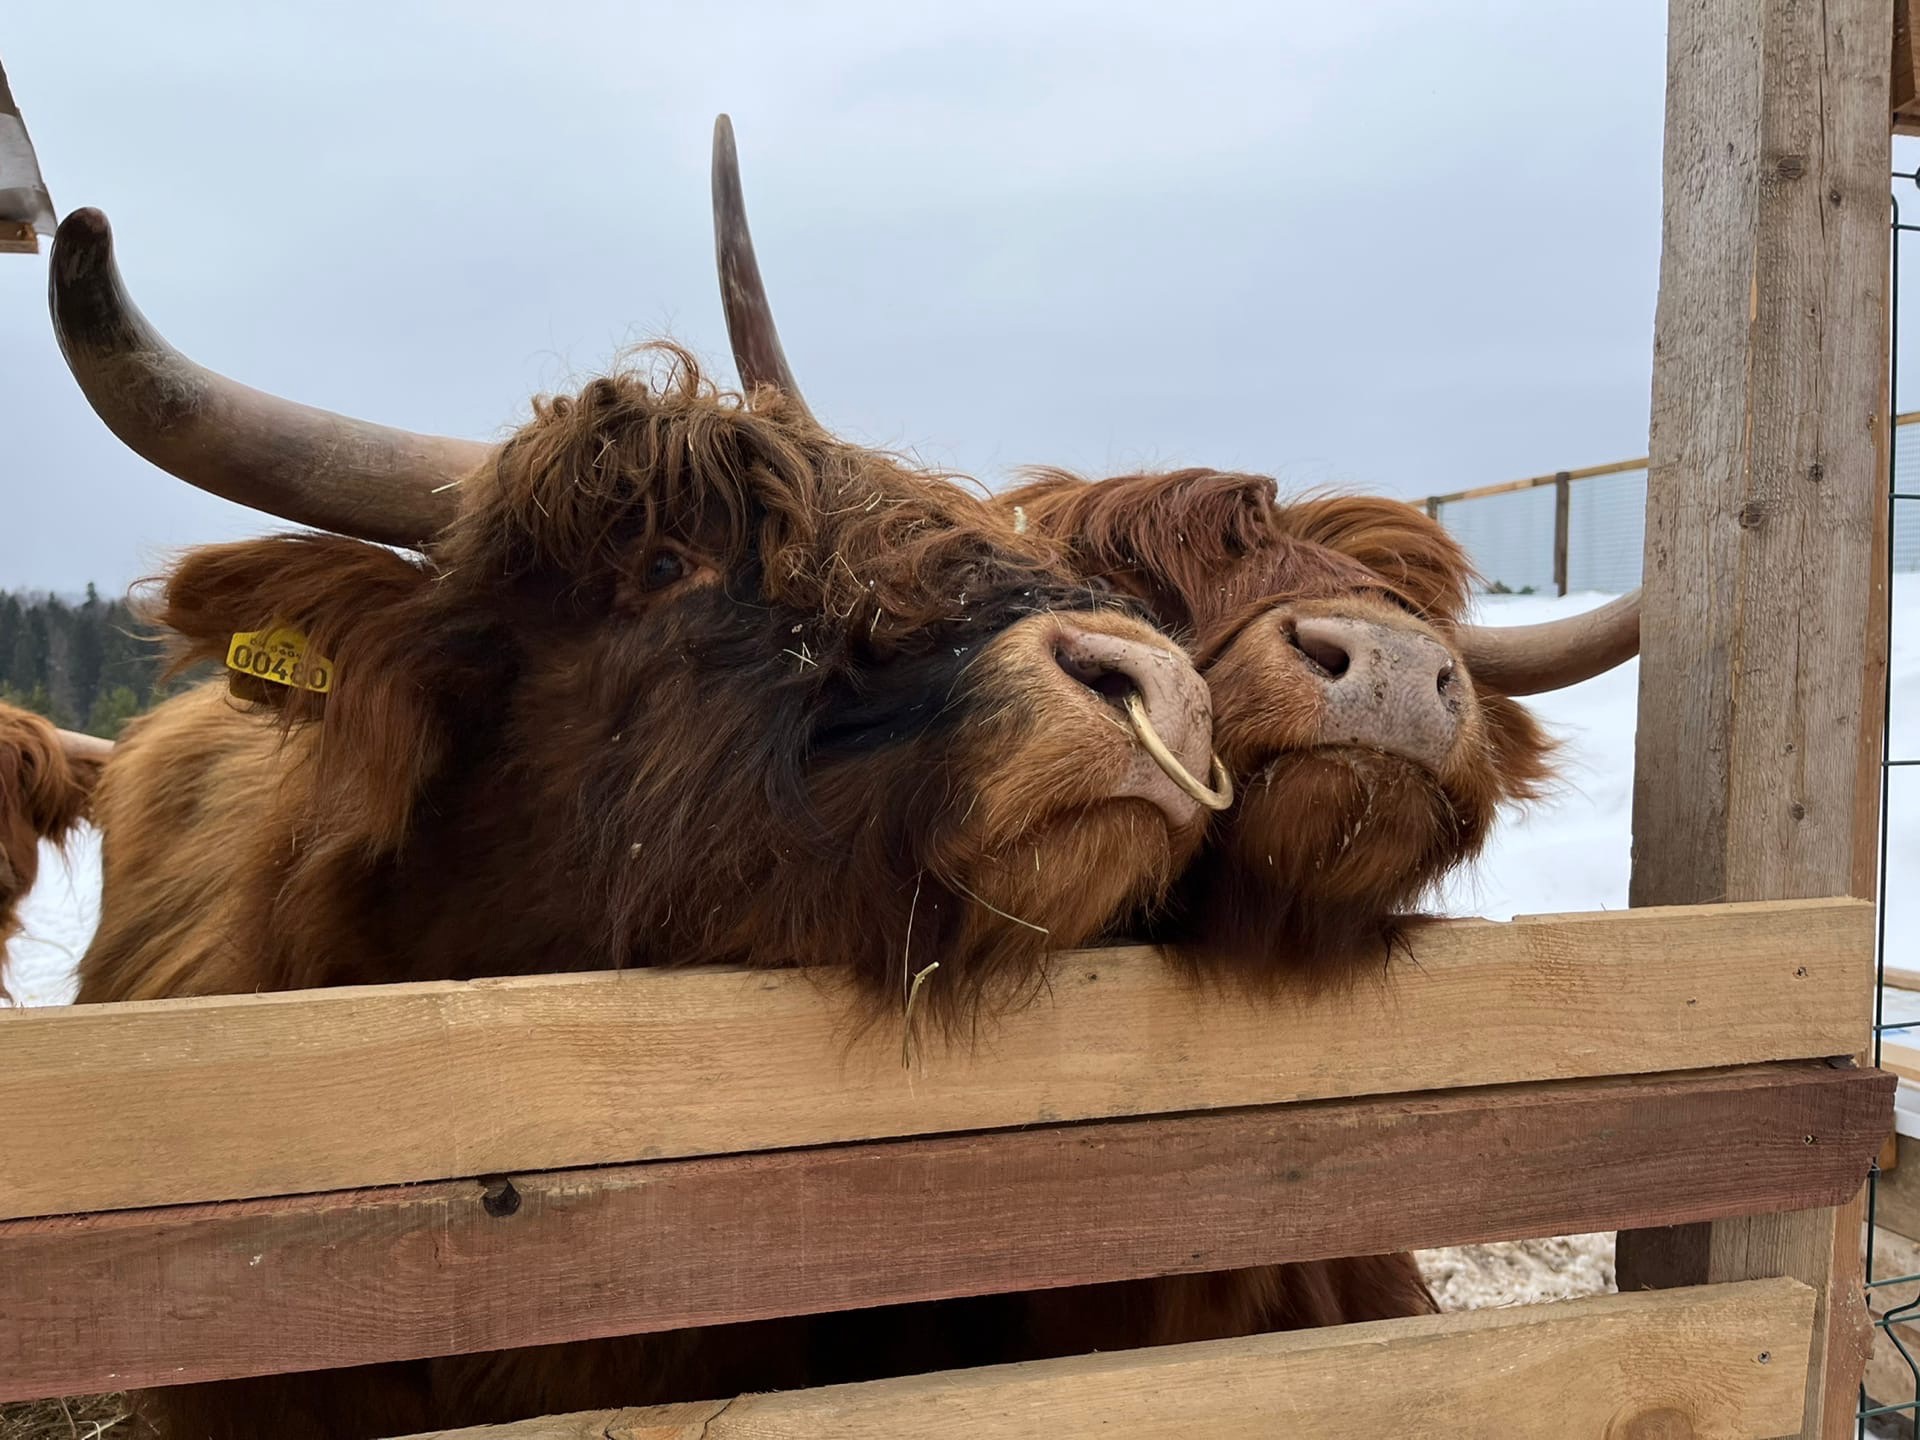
<point x="76" y="746"/>
<point x="1530" y="659"/>
<point x="310" y="466"/>
<point x="756" y="342"/>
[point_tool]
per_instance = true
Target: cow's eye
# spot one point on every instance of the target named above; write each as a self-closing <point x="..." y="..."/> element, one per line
<point x="1395" y="598"/>
<point x="664" y="568"/>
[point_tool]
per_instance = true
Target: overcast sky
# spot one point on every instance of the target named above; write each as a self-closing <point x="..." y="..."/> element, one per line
<point x="1400" y="246"/>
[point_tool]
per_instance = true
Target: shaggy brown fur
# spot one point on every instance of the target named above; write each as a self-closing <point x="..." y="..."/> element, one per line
<point x="1308" y="879"/>
<point x="43" y="794"/>
<point x="679" y="679"/>
<point x="682" y="683"/>
<point x="1311" y="877"/>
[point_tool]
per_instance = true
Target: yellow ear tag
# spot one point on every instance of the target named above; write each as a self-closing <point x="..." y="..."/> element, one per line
<point x="280" y="655"/>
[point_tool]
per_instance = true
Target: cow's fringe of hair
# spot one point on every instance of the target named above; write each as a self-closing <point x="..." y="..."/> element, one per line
<point x="1165" y="537"/>
<point x="1393" y="539"/>
<point x="1194" y="542"/>
<point x="661" y="454"/>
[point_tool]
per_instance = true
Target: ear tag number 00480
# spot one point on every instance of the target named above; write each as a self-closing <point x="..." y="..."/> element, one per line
<point x="280" y="655"/>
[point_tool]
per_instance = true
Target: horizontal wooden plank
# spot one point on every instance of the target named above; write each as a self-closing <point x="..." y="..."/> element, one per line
<point x="1536" y="482"/>
<point x="228" y="1097"/>
<point x="1896" y="1194"/>
<point x="254" y="1287"/>
<point x="1716" y="1362"/>
<point x="1900" y="1059"/>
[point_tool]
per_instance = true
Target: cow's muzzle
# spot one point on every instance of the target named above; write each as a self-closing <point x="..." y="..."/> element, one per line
<point x="1384" y="687"/>
<point x="1153" y="692"/>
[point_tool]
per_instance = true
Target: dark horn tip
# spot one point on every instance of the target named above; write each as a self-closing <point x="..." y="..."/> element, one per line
<point x="79" y="265"/>
<point x="86" y="227"/>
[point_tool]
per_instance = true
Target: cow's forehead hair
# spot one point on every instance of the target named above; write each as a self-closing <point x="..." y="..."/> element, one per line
<point x="637" y="458"/>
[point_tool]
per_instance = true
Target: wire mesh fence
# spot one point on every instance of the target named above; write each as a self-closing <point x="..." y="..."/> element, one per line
<point x="1510" y="530"/>
<point x="1893" y="1368"/>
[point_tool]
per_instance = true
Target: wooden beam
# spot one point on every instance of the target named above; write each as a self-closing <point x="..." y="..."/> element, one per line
<point x="1763" y="484"/>
<point x="165" y="1102"/>
<point x="1721" y="1363"/>
<point x="255" y="1287"/>
<point x="1896" y="1198"/>
<point x="1900" y="1059"/>
<point x="1617" y="467"/>
<point x="1535" y="482"/>
<point x="23" y="194"/>
<point x="17" y="237"/>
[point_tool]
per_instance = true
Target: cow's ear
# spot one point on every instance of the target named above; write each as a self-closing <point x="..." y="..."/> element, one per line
<point x="1399" y="542"/>
<point x="348" y="640"/>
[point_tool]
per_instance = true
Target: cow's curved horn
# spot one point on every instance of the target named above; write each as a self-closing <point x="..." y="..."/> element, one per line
<point x="756" y="342"/>
<point x="310" y="466"/>
<point x="76" y="746"/>
<point x="1529" y="659"/>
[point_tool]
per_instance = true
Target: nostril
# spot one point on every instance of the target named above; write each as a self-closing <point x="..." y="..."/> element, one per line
<point x="1445" y="682"/>
<point x="1102" y="679"/>
<point x="1324" y="651"/>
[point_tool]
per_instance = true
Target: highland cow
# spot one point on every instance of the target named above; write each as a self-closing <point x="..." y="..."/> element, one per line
<point x="663" y="679"/>
<point x="1368" y="734"/>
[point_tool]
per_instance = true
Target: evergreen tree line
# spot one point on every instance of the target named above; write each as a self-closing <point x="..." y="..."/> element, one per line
<point x="89" y="666"/>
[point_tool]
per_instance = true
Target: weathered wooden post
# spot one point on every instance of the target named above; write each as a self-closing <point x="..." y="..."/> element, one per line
<point x="1764" y="489"/>
<point x="1562" y="523"/>
<point x="25" y="211"/>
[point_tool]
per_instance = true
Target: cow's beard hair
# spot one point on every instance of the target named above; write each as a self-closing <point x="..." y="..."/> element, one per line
<point x="1058" y="886"/>
<point x="882" y="890"/>
<point x="1315" y="878"/>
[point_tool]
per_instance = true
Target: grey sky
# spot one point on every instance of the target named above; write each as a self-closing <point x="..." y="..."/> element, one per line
<point x="1383" y="244"/>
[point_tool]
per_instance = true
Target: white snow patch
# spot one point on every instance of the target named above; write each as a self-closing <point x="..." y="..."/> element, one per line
<point x="57" y="923"/>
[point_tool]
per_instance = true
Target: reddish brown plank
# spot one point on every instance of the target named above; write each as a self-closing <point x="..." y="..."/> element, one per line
<point x="251" y="1287"/>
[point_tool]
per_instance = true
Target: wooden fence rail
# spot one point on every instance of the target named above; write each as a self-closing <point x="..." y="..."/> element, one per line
<point x="244" y="1096"/>
<point x="1504" y="1084"/>
<point x="1724" y="1362"/>
<point x="255" y="1287"/>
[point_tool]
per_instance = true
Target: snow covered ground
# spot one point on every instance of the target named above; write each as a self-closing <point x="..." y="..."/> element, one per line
<point x="57" y="922"/>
